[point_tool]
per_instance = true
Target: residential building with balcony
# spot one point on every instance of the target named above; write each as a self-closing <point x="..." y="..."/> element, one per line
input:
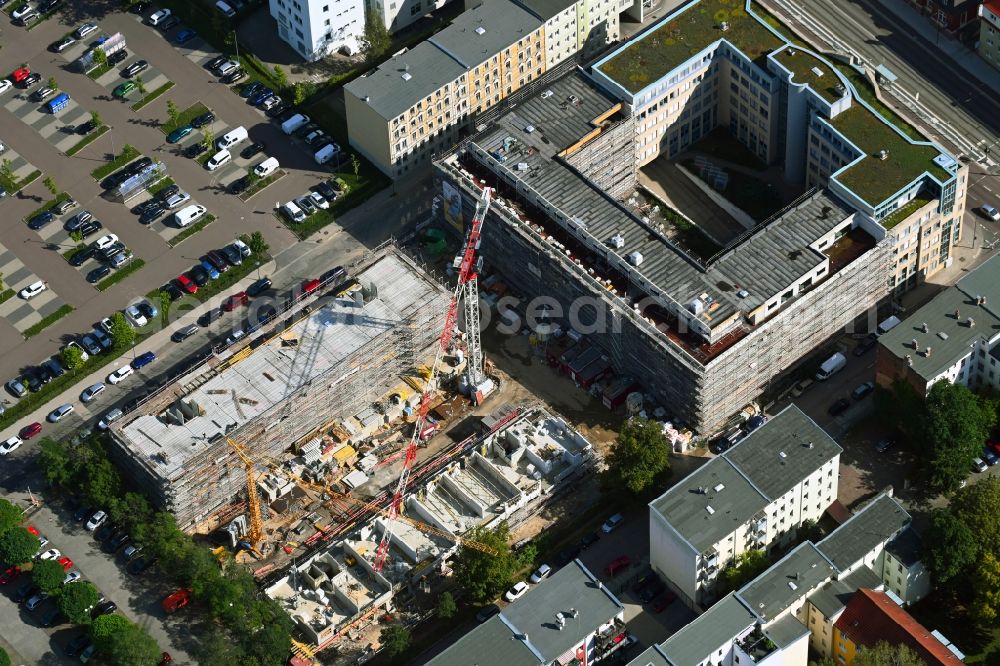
<point x="316" y="28"/>
<point x="577" y="25"/>
<point x="754" y="496"/>
<point x="569" y="617"/>
<point x="953" y="338"/>
<point x="989" y="32"/>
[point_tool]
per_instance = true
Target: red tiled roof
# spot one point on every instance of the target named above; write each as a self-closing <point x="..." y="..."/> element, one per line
<point x="872" y="616"/>
<point x="992" y="6"/>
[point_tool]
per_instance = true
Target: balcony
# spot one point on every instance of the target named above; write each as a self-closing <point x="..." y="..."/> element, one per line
<point x="756" y="645"/>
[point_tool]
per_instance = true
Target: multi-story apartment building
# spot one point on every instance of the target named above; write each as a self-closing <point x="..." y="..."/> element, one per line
<point x="399" y="114"/>
<point x="989" y="32"/>
<point x="798" y="606"/>
<point x="576" y="25"/>
<point x="955" y="337"/>
<point x="752" y="497"/>
<point x="696" y="71"/>
<point x="949" y="16"/>
<point x="398" y="14"/>
<point x="316" y="28"/>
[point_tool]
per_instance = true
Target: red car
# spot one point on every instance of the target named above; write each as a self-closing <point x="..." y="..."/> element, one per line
<point x="618" y="564"/>
<point x="663" y="601"/>
<point x="187" y="284"/>
<point x="66" y="563"/>
<point x="20" y="74"/>
<point x="33" y="530"/>
<point x="30" y="430"/>
<point x="309" y="286"/>
<point x="9" y="575"/>
<point x="166" y="659"/>
<point x="235" y="301"/>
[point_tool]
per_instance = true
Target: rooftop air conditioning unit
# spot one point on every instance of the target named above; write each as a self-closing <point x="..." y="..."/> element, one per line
<point x="635" y="258"/>
<point x="618" y="241"/>
<point x="883" y="155"/>
<point x="697" y="306"/>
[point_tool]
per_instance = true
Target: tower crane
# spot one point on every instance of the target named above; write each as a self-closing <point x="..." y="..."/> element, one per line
<point x="465" y="272"/>
<point x="256" y="532"/>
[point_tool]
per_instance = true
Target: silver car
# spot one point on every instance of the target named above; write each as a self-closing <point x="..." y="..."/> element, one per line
<point x="177" y="199"/>
<point x="91" y="392"/>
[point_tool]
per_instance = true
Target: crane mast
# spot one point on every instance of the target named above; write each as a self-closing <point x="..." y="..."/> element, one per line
<point x="466" y="271"/>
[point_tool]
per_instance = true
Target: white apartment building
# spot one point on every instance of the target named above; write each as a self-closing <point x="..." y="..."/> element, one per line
<point x="576" y="25"/>
<point x="397" y="14"/>
<point x="754" y="496"/>
<point x="316" y="28"/>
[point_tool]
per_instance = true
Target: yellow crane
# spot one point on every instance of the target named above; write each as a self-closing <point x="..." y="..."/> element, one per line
<point x="256" y="532"/>
<point x="423" y="527"/>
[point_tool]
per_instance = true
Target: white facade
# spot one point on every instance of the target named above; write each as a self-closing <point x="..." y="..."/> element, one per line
<point x="397" y="14"/>
<point x="316" y="28"/>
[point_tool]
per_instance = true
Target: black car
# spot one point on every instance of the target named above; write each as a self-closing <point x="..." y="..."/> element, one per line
<point x="652" y="591"/>
<point x="172" y="290"/>
<point x="266" y="312"/>
<point x="203" y="119"/>
<point x="34" y="380"/>
<point x="306" y="130"/>
<point x="167" y="192"/>
<point x="839" y="407"/>
<point x="239" y="185"/>
<point x="152" y="213"/>
<point x="89" y="228"/>
<point x="112" y="250"/>
<point x="486" y="612"/>
<point x="40" y="220"/>
<point x="326" y="190"/>
<point x="248" y="91"/>
<point x="182" y="334"/>
<point x="333" y="275"/>
<point x="171" y="22"/>
<point x="118" y="541"/>
<point x="135" y="68"/>
<point x="210" y="316"/>
<point x="86" y="128"/>
<point x="199" y="275"/>
<point x="31" y="80"/>
<point x="285" y="115"/>
<point x="116" y="179"/>
<point x="216" y="260"/>
<point x="144" y="206"/>
<point x="865" y="345"/>
<point x="233" y="76"/>
<point x="48" y="5"/>
<point x="83" y="512"/>
<point x="251" y="150"/>
<point x="589" y="540"/>
<point x="98" y="274"/>
<point x="232" y="254"/>
<point x="195" y="149"/>
<point x="25" y="592"/>
<point x="118" y="57"/>
<point x="81" y="255"/>
<point x="77" y="645"/>
<point x="53" y="617"/>
<point x="105" y="608"/>
<point x="105" y="531"/>
<point x="216" y="61"/>
<point x="140" y="564"/>
<point x="319" y="139"/>
<point x="259" y="287"/>
<point x="140" y="164"/>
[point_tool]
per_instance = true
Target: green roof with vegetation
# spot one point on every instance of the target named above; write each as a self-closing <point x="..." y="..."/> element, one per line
<point x="648" y="58"/>
<point x="874" y="179"/>
<point x="801" y="63"/>
<point x="900" y="214"/>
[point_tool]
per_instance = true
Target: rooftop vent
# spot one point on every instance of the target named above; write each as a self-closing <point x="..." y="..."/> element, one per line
<point x="719" y="488"/>
<point x="782" y="455"/>
<point x="909" y="360"/>
<point x="957" y="315"/>
<point x="923" y="327"/>
<point x="970" y="322"/>
<point x="942" y="335"/>
<point x="817" y="71"/>
<point x="635" y="258"/>
<point x="618" y="241"/>
<point x="743" y="293"/>
<point x="697" y="306"/>
<point x="883" y="155"/>
<point x="546" y="94"/>
<point x="792" y="586"/>
<point x="913" y="343"/>
<point x="522" y="166"/>
<point x="809" y="445"/>
<point x="529" y="128"/>
<point x="710" y="509"/>
<point x="927" y="352"/>
<point x="480" y="30"/>
<point x="406" y="76"/>
<point x="841" y="90"/>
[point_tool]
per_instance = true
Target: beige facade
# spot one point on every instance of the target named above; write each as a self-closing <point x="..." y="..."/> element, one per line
<point x="505" y="72"/>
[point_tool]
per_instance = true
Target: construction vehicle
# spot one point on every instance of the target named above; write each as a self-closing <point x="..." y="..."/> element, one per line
<point x="465" y="273"/>
<point x="255" y="534"/>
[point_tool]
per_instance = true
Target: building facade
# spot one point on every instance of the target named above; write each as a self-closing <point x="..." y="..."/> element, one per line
<point x="580" y="25"/>
<point x="949" y="16"/>
<point x="989" y="32"/>
<point x="316" y="28"/>
<point x="398" y="14"/>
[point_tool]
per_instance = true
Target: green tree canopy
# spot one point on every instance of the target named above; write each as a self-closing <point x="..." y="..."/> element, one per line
<point x="482" y="575"/>
<point x="4" y="658"/>
<point x="72" y="358"/>
<point x="886" y="654"/>
<point x="446" y="607"/>
<point x="271" y="644"/>
<point x="11" y="515"/>
<point x="104" y="629"/>
<point x="131" y="510"/>
<point x="76" y="601"/>
<point x="173" y="114"/>
<point x="395" y="638"/>
<point x="950" y="547"/>
<point x="985" y="606"/>
<point x="257" y="244"/>
<point x="750" y="564"/>
<point x="376" y="40"/>
<point x="280" y="77"/>
<point x="640" y="454"/>
<point x="133" y="647"/>
<point x="100" y="57"/>
<point x="953" y="426"/>
<point x="54" y="461"/>
<point x="17" y="546"/>
<point x="122" y="333"/>
<point x="978" y="507"/>
<point x="217" y="648"/>
<point x="48" y="575"/>
<point x="50" y="182"/>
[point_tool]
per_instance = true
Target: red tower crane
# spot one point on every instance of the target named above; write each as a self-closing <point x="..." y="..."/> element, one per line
<point x="465" y="272"/>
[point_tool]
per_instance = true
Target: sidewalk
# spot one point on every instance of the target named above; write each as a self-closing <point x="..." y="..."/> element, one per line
<point x="969" y="60"/>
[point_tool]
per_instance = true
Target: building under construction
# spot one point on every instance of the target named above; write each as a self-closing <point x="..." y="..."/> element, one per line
<point x="335" y="353"/>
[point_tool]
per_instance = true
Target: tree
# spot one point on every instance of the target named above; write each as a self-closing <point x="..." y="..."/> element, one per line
<point x="220" y="649"/>
<point x="52" y="83"/>
<point x="887" y="654"/>
<point x="376" y="40"/>
<point x="134" y="647"/>
<point x="72" y="357"/>
<point x="641" y="453"/>
<point x="100" y="58"/>
<point x="749" y="565"/>
<point x="122" y="333"/>
<point x="953" y="426"/>
<point x="163" y="298"/>
<point x="207" y="139"/>
<point x="950" y="547"/>
<point x="355" y="164"/>
<point x="483" y="575"/>
<point x="140" y="86"/>
<point x="18" y="546"/>
<point x="50" y="185"/>
<point x="446" y="607"/>
<point x="271" y="644"/>
<point x="173" y="114"/>
<point x="103" y="483"/>
<point x="809" y="530"/>
<point x="280" y="77"/>
<point x="7" y="171"/>
<point x="11" y="515"/>
<point x="47" y="575"/>
<point x="258" y="245"/>
<point x="978" y="507"/>
<point x="76" y="601"/>
<point x="104" y="629"/>
<point x="4" y="658"/>
<point x="131" y="510"/>
<point x="54" y="461"/>
<point x="985" y="605"/>
<point x="395" y="638"/>
<point x="95" y="118"/>
<point x="299" y="93"/>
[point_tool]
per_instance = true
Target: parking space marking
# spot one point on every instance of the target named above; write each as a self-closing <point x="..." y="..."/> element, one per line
<point x="20" y="313"/>
<point x="19" y="167"/>
<point x="152" y="79"/>
<point x="57" y="129"/>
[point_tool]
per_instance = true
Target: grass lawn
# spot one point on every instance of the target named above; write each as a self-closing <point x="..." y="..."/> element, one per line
<point x="62" y="196"/>
<point x="867" y="92"/>
<point x="6" y="295"/>
<point x="68" y="254"/>
<point x="191" y="231"/>
<point x="259" y="185"/>
<point x="127" y="154"/>
<point x="120" y="274"/>
<point x="87" y="140"/>
<point x="48" y="321"/>
<point x="152" y="95"/>
<point x="184" y="117"/>
<point x="160" y="185"/>
<point x="100" y="70"/>
<point x="13" y="187"/>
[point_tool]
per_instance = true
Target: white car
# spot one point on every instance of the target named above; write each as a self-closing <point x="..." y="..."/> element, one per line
<point x="105" y="325"/>
<point x="59" y="412"/>
<point x="990" y="212"/>
<point x="91" y="392"/>
<point x="72" y="577"/>
<point x="21" y="11"/>
<point x="50" y="554"/>
<point x="105" y="241"/>
<point x="158" y="17"/>
<point x="5" y="85"/>
<point x="540" y="573"/>
<point x="96" y="521"/>
<point x="32" y="290"/>
<point x="76" y="345"/>
<point x="516" y="592"/>
<point x="85" y="30"/>
<point x="136" y="318"/>
<point x="10" y="445"/>
<point x="318" y="200"/>
<point x="120" y="375"/>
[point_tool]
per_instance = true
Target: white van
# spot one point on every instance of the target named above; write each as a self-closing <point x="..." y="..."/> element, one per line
<point x="830" y="366"/>
<point x="218" y="159"/>
<point x="189" y="214"/>
<point x="293" y="123"/>
<point x="225" y="9"/>
<point x="326" y="153"/>
<point x="231" y="138"/>
<point x="293" y="213"/>
<point x="266" y="168"/>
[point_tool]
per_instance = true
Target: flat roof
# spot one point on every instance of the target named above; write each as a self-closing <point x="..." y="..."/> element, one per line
<point x="696" y="641"/>
<point x="878" y="522"/>
<point x="794" y="576"/>
<point x="546" y="9"/>
<point x="807" y="69"/>
<point x="907" y="547"/>
<point x="683" y="33"/>
<point x="403" y="80"/>
<point x="478" y="34"/>
<point x="531" y="623"/>
<point x="786" y="631"/>
<point x="835" y="595"/>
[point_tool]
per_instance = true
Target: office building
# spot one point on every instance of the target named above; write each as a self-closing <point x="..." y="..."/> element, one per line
<point x="316" y="28"/>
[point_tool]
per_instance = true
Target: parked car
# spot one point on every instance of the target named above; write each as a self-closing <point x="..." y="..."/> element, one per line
<point x="990" y="457"/>
<point x="187" y="284"/>
<point x="182" y="334"/>
<point x="864" y="345"/>
<point x="239" y="185"/>
<point x="176" y="199"/>
<point x="92" y="392"/>
<point x="884" y="445"/>
<point x="32" y="290"/>
<point x="118" y="57"/>
<point x="519" y="590"/>
<point x="202" y="120"/>
<point x="234" y="76"/>
<point x="540" y="573"/>
<point x="77" y="645"/>
<point x="863" y="390"/>
<point x="105" y="608"/>
<point x="486" y="612"/>
<point x="612" y="523"/>
<point x="50" y="554"/>
<point x="40" y="220"/>
<point x="185" y="36"/>
<point x="120" y="375"/>
<point x="110" y="417"/>
<point x="90" y="228"/>
<point x="85" y="29"/>
<point x="123" y="90"/>
<point x="98" y="274"/>
<point x="215" y="258"/>
<point x="152" y="213"/>
<point x="617" y="565"/>
<point x="59" y="412"/>
<point x="251" y="89"/>
<point x="252" y="150"/>
<point x="259" y="287"/>
<point x="199" y="275"/>
<point x="142" y="360"/>
<point x="839" y="407"/>
<point x="170" y="23"/>
<point x="235" y="300"/>
<point x="179" y="133"/>
<point x="10" y="445"/>
<point x="75" y="222"/>
<point x="990" y="212"/>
